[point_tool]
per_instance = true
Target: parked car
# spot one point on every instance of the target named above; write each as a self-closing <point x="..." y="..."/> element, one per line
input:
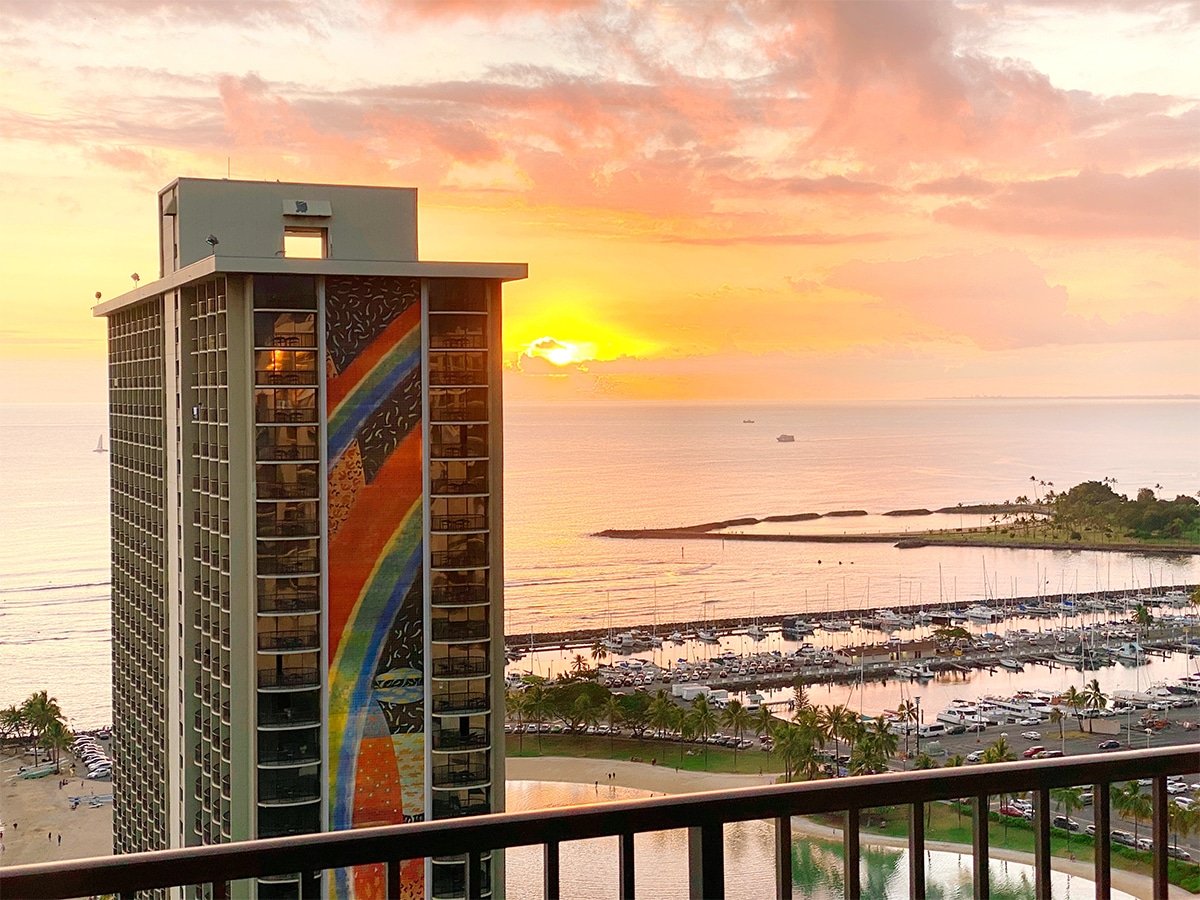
<point x="1122" y="837"/>
<point x="1109" y="745"/>
<point x="1065" y="822"/>
<point x="1009" y="810"/>
<point x="1177" y="787"/>
<point x="1033" y="751"/>
<point x="1049" y="754"/>
<point x="974" y="756"/>
<point x="956" y="729"/>
<point x="1032" y="720"/>
<point x="1177" y="853"/>
<point x="1032" y="735"/>
<point x="1090" y="829"/>
<point x="1185" y="802"/>
<point x="100" y="773"/>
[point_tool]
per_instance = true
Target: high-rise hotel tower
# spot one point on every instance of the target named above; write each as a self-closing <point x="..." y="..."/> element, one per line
<point x="306" y="528"/>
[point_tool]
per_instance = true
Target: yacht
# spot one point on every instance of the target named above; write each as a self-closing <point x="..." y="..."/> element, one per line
<point x="924" y="673"/>
<point x="1013" y="665"/>
<point x="906" y="672"/>
<point x="786" y="439"/>
<point x="836" y="625"/>
<point x="706" y="635"/>
<point x="1131" y="652"/>
<point x="979" y="613"/>
<point x="795" y="627"/>
<point x="757" y="632"/>
<point x="676" y="637"/>
<point x="892" y="619"/>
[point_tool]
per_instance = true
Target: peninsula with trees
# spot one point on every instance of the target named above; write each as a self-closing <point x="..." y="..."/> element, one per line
<point x="1089" y="516"/>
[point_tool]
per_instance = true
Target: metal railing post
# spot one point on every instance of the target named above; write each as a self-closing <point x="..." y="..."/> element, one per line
<point x="851" y="855"/>
<point x="474" y="882"/>
<point x="706" y="862"/>
<point x="1101" y="816"/>
<point x="1041" y="844"/>
<point x="550" y="872"/>
<point x="783" y="858"/>
<point x="625" y="867"/>
<point x="979" y="847"/>
<point x="1158" y="866"/>
<point x="393" y="879"/>
<point x="916" y="851"/>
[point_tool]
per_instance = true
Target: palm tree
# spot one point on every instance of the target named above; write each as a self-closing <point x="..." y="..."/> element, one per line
<point x="1093" y="697"/>
<point x="998" y="752"/>
<point x="662" y="712"/>
<point x="599" y="651"/>
<point x="612" y="713"/>
<point x="1132" y="803"/>
<point x="515" y="703"/>
<point x="924" y="761"/>
<point x="1141" y="616"/>
<point x="1069" y="799"/>
<point x="584" y="713"/>
<point x="764" y="721"/>
<point x="40" y="710"/>
<point x="536" y="706"/>
<point x="704" y="722"/>
<point x="1057" y="718"/>
<point x="736" y="717"/>
<point x="834" y="721"/>
<point x="13" y="723"/>
<point x="908" y="715"/>
<point x="579" y="665"/>
<point x="1075" y="699"/>
<point x="1182" y="821"/>
<point x="55" y="739"/>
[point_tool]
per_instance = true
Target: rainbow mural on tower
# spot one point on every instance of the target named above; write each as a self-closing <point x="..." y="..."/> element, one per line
<point x="376" y="611"/>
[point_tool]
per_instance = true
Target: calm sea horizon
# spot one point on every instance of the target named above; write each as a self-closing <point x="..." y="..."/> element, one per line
<point x="574" y="469"/>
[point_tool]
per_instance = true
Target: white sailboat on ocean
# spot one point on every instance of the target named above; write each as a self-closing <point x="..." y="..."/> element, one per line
<point x="100" y="448"/>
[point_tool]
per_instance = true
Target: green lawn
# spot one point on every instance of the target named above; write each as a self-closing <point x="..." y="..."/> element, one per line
<point x="664" y="753"/>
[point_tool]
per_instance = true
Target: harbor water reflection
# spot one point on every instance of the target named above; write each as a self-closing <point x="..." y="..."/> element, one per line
<point x="589" y="868"/>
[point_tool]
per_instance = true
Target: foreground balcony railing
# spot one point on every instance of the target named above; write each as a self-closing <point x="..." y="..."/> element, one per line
<point x="704" y="815"/>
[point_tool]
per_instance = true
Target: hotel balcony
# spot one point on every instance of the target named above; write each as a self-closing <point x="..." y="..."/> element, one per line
<point x="702" y="815"/>
<point x="458" y="594"/>
<point x="288" y="490"/>
<point x="287" y="378"/>
<point x="298" y="601"/>
<point x="280" y="788"/>
<point x="447" y="631"/>
<point x="288" y="679"/>
<point x="296" y="564"/>
<point x="461" y="558"/>
<point x="286" y="452"/>
<point x="460" y="666"/>
<point x="289" y="641"/>
<point x="457" y="486"/>
<point x="459" y="775"/>
<point x="268" y="527"/>
<point x="461" y="703"/>
<point x="452" y="740"/>
<point x="465" y="522"/>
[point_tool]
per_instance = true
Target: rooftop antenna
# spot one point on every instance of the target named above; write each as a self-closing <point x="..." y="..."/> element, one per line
<point x="136" y="278"/>
<point x="212" y="241"/>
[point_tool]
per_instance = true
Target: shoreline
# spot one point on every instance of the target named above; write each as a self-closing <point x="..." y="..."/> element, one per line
<point x="39" y="807"/>
<point x="908" y="540"/>
<point x="664" y="779"/>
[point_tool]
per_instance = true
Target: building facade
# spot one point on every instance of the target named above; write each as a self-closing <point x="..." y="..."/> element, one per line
<point x="307" y="553"/>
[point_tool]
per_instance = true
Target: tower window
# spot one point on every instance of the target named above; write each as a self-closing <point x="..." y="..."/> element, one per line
<point x="305" y="243"/>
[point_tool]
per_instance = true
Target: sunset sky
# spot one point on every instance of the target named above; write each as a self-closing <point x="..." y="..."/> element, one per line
<point x="717" y="201"/>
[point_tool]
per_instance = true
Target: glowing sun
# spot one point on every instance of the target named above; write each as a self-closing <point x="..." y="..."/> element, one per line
<point x="561" y="353"/>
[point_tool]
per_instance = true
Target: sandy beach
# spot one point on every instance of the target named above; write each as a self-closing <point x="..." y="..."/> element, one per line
<point x="31" y="810"/>
<point x="663" y="779"/>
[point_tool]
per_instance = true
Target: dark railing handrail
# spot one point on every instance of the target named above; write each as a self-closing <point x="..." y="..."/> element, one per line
<point x="476" y="835"/>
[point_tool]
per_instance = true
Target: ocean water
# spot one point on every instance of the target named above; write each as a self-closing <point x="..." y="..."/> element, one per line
<point x="574" y="469"/>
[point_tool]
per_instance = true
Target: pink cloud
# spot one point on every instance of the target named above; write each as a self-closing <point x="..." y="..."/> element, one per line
<point x="1164" y="204"/>
<point x="998" y="300"/>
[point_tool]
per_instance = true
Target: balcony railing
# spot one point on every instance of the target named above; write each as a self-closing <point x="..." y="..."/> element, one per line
<point x="286" y="452"/>
<point x="289" y="678"/>
<point x="704" y="815"/>
<point x="461" y="775"/>
<point x="287" y="565"/>
<point x="458" y="559"/>
<point x="468" y="522"/>
<point x="295" y="376"/>
<point x="448" y="739"/>
<point x="459" y="631"/>
<point x="304" y="416"/>
<point x="458" y="485"/>
<point x="287" y="490"/>
<point x="464" y="667"/>
<point x="299" y="601"/>
<point x="458" y="412"/>
<point x="269" y="527"/>
<point x="457" y="376"/>
<point x="459" y="703"/>
<point x="299" y="639"/>
<point x="458" y="594"/>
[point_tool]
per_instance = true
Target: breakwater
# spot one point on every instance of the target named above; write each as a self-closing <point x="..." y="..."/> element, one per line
<point x="578" y="637"/>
